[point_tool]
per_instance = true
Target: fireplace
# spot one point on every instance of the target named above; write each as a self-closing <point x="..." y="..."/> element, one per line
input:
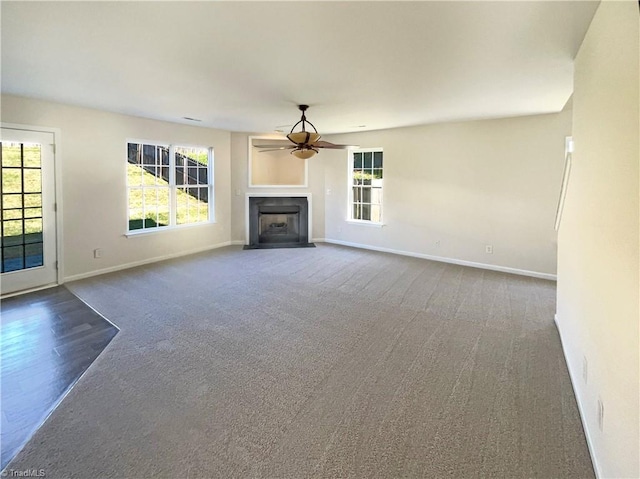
<point x="278" y="222"/>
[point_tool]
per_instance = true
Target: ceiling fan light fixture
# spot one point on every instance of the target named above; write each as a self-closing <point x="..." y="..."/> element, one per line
<point x="304" y="154"/>
<point x="303" y="137"/>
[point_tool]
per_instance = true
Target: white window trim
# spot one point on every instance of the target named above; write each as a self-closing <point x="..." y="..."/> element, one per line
<point x="349" y="219"/>
<point x="373" y="224"/>
<point x="172" y="188"/>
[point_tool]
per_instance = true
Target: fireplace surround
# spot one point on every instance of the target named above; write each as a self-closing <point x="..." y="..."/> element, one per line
<point x="278" y="222"/>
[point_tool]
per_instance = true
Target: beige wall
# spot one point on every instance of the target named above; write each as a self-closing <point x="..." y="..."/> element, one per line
<point x="277" y="168"/>
<point x="92" y="156"/>
<point x="598" y="241"/>
<point x="240" y="181"/>
<point x="451" y="189"/>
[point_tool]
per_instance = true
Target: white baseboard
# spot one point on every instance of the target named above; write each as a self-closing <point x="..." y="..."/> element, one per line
<point x="133" y="264"/>
<point x="318" y="240"/>
<point x="581" y="408"/>
<point x="503" y="269"/>
<point x="237" y="242"/>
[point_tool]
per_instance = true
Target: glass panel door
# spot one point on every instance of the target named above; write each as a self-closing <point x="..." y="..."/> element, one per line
<point x="27" y="216"/>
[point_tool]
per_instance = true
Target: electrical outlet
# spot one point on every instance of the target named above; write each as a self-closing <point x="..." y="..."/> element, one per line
<point x="600" y="415"/>
<point x="97" y="253"/>
<point x="488" y="249"/>
<point x="585" y="369"/>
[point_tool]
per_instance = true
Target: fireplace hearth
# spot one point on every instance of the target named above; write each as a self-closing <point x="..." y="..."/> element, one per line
<point x="278" y="222"/>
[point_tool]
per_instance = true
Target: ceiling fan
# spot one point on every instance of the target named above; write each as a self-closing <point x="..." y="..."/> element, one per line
<point x="305" y="143"/>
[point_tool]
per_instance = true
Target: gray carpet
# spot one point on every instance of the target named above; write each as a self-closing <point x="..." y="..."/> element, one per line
<point x="318" y="362"/>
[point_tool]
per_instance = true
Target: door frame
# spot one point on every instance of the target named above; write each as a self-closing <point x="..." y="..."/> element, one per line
<point x="57" y="167"/>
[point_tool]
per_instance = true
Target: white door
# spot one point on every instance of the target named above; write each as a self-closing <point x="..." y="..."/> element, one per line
<point x="28" y="224"/>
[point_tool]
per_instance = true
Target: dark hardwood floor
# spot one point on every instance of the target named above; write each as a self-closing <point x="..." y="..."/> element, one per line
<point x="48" y="340"/>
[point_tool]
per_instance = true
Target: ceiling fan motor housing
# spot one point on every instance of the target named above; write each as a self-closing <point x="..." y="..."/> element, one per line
<point x="303" y="137"/>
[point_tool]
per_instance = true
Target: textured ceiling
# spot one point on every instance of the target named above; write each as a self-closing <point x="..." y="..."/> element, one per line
<point x="244" y="66"/>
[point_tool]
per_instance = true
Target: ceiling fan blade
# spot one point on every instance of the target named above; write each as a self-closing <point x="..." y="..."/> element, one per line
<point x="275" y="147"/>
<point x="326" y="144"/>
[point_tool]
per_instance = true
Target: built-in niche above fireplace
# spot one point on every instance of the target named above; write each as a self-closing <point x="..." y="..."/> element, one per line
<point x="275" y="168"/>
<point x="278" y="222"/>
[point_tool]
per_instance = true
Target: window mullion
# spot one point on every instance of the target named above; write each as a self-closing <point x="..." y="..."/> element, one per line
<point x="173" y="201"/>
<point x="352" y="199"/>
<point x="210" y="202"/>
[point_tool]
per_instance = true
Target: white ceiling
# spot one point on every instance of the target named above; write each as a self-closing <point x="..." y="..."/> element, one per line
<point x="244" y="66"/>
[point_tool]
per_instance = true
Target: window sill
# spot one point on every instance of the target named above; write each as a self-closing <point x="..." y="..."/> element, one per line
<point x="150" y="231"/>
<point x="366" y="223"/>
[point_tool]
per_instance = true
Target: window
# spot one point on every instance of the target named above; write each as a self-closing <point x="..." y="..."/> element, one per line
<point x="168" y="185"/>
<point x="21" y="201"/>
<point x="366" y="185"/>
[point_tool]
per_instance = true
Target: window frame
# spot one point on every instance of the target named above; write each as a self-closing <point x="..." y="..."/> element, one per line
<point x="350" y="185"/>
<point x="173" y="187"/>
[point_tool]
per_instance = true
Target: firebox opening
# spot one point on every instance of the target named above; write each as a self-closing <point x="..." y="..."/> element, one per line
<point x="279" y="228"/>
